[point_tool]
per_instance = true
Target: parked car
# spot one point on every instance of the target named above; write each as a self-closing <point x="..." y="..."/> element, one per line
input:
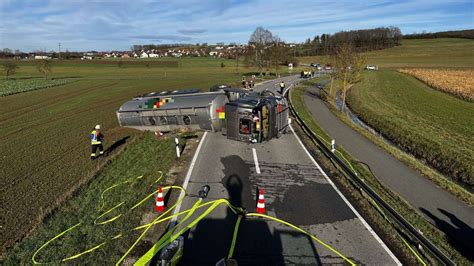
<point x="371" y="67"/>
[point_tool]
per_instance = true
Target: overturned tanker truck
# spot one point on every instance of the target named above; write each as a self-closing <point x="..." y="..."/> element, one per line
<point x="238" y="114"/>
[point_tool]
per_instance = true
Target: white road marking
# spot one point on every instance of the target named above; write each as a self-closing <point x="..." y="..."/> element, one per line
<point x="188" y="176"/>
<point x="347" y="202"/>
<point x="255" y="159"/>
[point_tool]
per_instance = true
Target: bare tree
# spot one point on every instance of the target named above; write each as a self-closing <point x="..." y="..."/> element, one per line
<point x="278" y="54"/>
<point x="238" y="56"/>
<point x="44" y="66"/>
<point x="348" y="66"/>
<point x="249" y="56"/>
<point x="9" y="67"/>
<point x="259" y="41"/>
<point x="330" y="59"/>
<point x="237" y="61"/>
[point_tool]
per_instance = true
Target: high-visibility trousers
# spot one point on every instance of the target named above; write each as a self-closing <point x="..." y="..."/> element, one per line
<point x="94" y="148"/>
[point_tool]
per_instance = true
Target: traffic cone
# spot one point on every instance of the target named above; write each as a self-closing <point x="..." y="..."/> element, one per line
<point x="261" y="202"/>
<point x="160" y="203"/>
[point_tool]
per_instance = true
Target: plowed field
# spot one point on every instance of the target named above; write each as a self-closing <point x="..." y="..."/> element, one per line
<point x="44" y="145"/>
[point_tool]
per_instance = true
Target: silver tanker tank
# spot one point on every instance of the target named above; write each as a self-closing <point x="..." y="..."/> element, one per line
<point x="168" y="111"/>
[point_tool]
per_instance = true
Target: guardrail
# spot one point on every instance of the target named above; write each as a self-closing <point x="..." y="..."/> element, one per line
<point x="408" y="230"/>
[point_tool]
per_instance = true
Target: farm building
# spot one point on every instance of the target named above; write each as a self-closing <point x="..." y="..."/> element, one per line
<point x="42" y="57"/>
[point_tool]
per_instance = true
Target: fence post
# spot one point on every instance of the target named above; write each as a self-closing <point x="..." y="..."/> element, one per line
<point x="178" y="153"/>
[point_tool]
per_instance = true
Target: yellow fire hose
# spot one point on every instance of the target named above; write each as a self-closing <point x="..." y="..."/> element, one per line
<point x="170" y="235"/>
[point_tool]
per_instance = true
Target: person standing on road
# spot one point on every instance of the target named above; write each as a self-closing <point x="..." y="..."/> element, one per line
<point x="96" y="142"/>
<point x="282" y="87"/>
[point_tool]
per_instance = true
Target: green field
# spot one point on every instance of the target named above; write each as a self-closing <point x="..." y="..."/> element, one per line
<point x="433" y="126"/>
<point x="44" y="145"/>
<point x="146" y="158"/>
<point x="442" y="52"/>
<point x="10" y="87"/>
<point x="369" y="211"/>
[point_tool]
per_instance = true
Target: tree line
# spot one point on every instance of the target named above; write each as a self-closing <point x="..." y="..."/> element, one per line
<point x="44" y="67"/>
<point x="17" y="54"/>
<point x="466" y="34"/>
<point x="360" y="40"/>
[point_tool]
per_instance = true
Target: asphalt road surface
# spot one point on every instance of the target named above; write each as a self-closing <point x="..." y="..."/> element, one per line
<point x="296" y="190"/>
<point x="445" y="211"/>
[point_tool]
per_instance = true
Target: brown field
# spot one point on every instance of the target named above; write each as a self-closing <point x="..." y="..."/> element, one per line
<point x="459" y="83"/>
<point x="44" y="145"/>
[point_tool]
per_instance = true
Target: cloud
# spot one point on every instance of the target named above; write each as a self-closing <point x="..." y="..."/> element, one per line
<point x="192" y="31"/>
<point x="145" y="37"/>
<point x="172" y="38"/>
<point x="115" y="24"/>
<point x="161" y="38"/>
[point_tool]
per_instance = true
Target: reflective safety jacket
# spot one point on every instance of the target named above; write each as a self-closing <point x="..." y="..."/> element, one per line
<point x="96" y="137"/>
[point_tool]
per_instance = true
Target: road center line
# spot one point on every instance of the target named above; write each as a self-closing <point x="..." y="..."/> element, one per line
<point x="255" y="159"/>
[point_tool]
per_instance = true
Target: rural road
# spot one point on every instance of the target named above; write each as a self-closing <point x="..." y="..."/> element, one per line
<point x="296" y="190"/>
<point x="445" y="211"/>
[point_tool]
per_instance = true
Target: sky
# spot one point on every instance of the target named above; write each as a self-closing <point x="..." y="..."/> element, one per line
<point x="106" y="25"/>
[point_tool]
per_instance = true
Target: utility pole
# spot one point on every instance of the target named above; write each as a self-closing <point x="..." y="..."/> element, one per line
<point x="59" y="50"/>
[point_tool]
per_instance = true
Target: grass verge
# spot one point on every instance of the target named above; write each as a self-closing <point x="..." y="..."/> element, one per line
<point x="432" y="126"/>
<point x="433" y="53"/>
<point x="145" y="157"/>
<point x="433" y="175"/>
<point x="363" y="204"/>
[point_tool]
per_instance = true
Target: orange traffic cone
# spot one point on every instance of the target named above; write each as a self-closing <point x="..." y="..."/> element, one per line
<point x="160" y="203"/>
<point x="261" y="202"/>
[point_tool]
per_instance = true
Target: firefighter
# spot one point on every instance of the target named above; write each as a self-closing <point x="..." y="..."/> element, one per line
<point x="282" y="87"/>
<point x="96" y="142"/>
